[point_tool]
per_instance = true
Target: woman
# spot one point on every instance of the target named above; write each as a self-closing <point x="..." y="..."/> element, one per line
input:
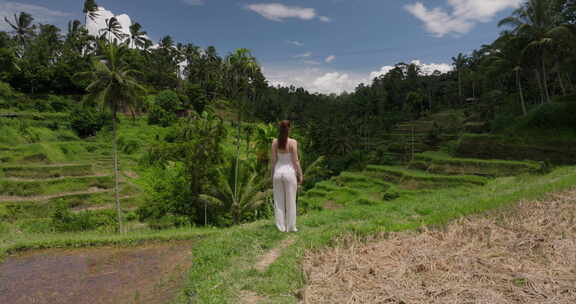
<point x="286" y="176"/>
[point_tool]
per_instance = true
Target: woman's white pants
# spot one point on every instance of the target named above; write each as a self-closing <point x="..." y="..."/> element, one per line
<point x="285" y="187"/>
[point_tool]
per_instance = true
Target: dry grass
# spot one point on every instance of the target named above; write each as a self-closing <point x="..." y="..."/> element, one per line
<point x="526" y="255"/>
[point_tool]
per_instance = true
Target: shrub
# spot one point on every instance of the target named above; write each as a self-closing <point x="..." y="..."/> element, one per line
<point x="60" y="103"/>
<point x="163" y="110"/>
<point x="158" y="116"/>
<point x="87" y="121"/>
<point x="128" y="145"/>
<point x="63" y="220"/>
<point x="7" y="92"/>
<point x="168" y="100"/>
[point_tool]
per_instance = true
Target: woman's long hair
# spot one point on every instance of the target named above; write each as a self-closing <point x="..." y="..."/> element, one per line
<point x="283" y="136"/>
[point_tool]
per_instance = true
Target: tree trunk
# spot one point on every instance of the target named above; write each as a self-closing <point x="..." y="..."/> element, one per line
<point x="522" y="102"/>
<point x="116" y="177"/>
<point x="236" y="169"/>
<point x="561" y="84"/>
<point x="539" y="86"/>
<point x="545" y="81"/>
<point x="460" y="85"/>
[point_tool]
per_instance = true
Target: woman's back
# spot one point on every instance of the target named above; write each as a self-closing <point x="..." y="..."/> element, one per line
<point x="285" y="158"/>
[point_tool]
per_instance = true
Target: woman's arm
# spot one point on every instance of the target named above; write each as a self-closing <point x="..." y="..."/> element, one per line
<point x="296" y="162"/>
<point x="273" y="157"/>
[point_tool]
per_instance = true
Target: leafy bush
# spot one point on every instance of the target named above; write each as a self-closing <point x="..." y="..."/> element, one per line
<point x="158" y="116"/>
<point x="87" y="121"/>
<point x="128" y="145"/>
<point x="166" y="192"/>
<point x="163" y="110"/>
<point x="60" y="103"/>
<point x="63" y="220"/>
<point x="168" y="100"/>
<point x="7" y="92"/>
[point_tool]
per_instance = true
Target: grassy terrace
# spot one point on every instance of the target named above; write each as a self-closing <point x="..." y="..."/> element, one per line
<point x="54" y="186"/>
<point x="46" y="171"/>
<point x="402" y="175"/>
<point x="437" y="162"/>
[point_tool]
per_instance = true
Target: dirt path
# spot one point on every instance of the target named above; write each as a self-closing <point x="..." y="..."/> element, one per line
<point x="149" y="274"/>
<point x="250" y="297"/>
<point x="271" y="256"/>
<point x="527" y="255"/>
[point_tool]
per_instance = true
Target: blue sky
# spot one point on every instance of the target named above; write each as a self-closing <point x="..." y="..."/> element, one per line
<point x="323" y="45"/>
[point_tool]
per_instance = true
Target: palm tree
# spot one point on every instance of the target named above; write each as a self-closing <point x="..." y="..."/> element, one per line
<point x="90" y="10"/>
<point x="113" y="27"/>
<point x="114" y="88"/>
<point x="504" y="58"/>
<point x="241" y="67"/>
<point x="237" y="196"/>
<point x="22" y="28"/>
<point x="537" y="22"/>
<point x="459" y="62"/>
<point x="137" y="36"/>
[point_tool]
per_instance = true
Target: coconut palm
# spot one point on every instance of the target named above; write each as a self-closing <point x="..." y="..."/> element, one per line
<point x="23" y="29"/>
<point x="238" y="192"/>
<point x="113" y="87"/>
<point x="504" y="58"/>
<point x="137" y="36"/>
<point x="537" y="22"/>
<point x="459" y="62"/>
<point x="113" y="27"/>
<point x="240" y="68"/>
<point x="90" y="10"/>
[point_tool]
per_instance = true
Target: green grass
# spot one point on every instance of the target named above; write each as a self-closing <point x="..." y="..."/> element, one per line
<point x="46" y="171"/>
<point x="223" y="263"/>
<point x="54" y="186"/>
<point x="438" y="162"/>
<point x="401" y="175"/>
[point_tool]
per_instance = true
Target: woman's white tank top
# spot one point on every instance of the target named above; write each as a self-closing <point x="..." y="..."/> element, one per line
<point x="284" y="161"/>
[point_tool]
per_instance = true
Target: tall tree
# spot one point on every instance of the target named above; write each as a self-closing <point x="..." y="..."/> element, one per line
<point x="241" y="68"/>
<point x="538" y="22"/>
<point x="137" y="36"/>
<point x="114" y="87"/>
<point x="90" y="11"/>
<point x="113" y="27"/>
<point x="23" y="29"/>
<point x="459" y="63"/>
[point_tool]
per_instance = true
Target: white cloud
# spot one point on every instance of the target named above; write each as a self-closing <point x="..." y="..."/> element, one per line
<point x="294" y="42"/>
<point x="425" y="68"/>
<point x="193" y="2"/>
<point x="334" y="82"/>
<point x="383" y="71"/>
<point x="464" y="15"/>
<point x="304" y="55"/>
<point x="430" y="68"/>
<point x="327" y="81"/>
<point x="330" y="59"/>
<point x="315" y="79"/>
<point x="41" y="14"/>
<point x="279" y="12"/>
